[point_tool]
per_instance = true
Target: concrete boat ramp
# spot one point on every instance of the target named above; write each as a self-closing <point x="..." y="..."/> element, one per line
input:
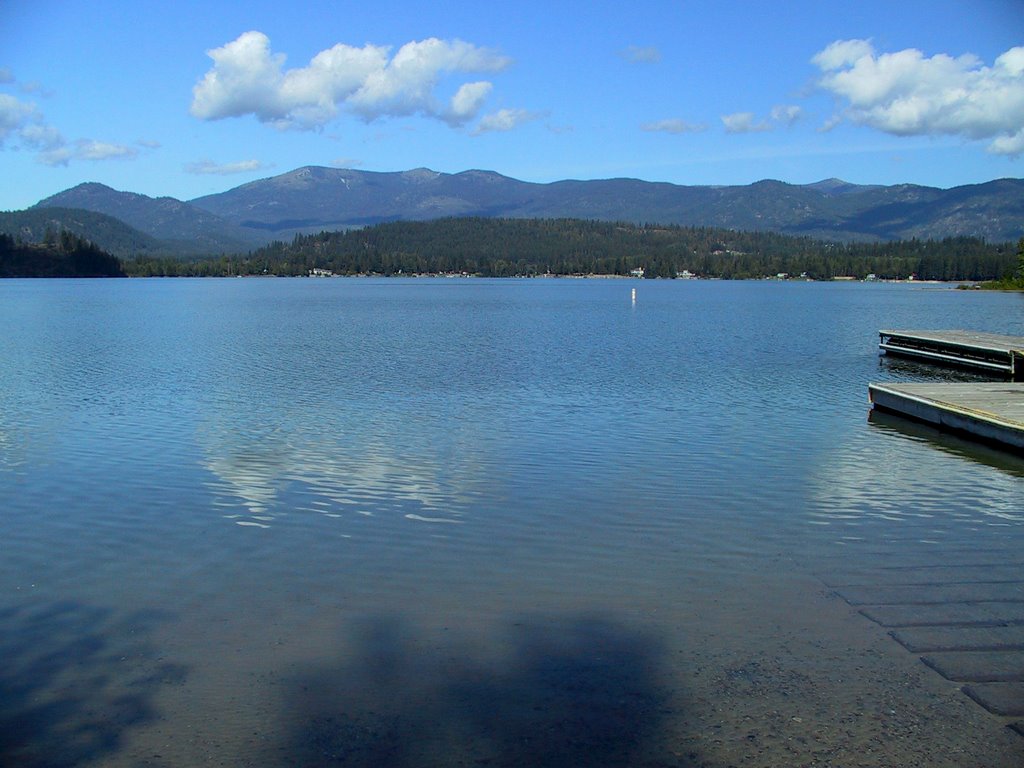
<point x="992" y="412"/>
<point x="963" y="616"/>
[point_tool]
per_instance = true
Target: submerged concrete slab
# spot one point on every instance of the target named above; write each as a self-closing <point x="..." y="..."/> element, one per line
<point x="1006" y="699"/>
<point x="926" y="575"/>
<point x="930" y="639"/>
<point x="978" y="666"/>
<point x="933" y="594"/>
<point x="950" y="615"/>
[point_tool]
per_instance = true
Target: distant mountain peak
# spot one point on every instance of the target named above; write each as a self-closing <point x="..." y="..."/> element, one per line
<point x="87" y="185"/>
<point x="834" y="187"/>
<point x="316" y="198"/>
<point x="182" y="226"/>
<point x="420" y="174"/>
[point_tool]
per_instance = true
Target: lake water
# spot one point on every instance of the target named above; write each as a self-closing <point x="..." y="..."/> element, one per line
<point x="476" y="522"/>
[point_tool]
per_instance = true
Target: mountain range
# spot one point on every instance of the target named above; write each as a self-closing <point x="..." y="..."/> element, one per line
<point x="312" y="199"/>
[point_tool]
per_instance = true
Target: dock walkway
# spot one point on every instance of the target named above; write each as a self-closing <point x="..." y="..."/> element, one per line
<point x="989" y="352"/>
<point x="989" y="411"/>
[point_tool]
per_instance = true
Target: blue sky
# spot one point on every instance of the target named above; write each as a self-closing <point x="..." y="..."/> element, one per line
<point x="186" y="99"/>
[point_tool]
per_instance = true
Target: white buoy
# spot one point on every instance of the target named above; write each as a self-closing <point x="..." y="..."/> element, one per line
<point x="634" y="295"/>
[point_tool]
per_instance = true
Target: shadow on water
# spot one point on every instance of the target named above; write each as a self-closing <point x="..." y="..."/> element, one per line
<point x="74" y="678"/>
<point x="923" y="371"/>
<point x="948" y="442"/>
<point x="585" y="692"/>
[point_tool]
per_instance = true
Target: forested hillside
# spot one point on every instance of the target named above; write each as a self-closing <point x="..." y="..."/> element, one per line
<point x="524" y="247"/>
<point x="105" y="232"/>
<point x="311" y="199"/>
<point x="63" y="255"/>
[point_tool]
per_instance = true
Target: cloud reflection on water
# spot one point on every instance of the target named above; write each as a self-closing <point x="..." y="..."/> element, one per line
<point x="881" y="477"/>
<point x="337" y="466"/>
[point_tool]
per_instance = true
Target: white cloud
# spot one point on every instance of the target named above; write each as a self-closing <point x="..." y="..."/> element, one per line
<point x="908" y="94"/>
<point x="829" y="124"/>
<point x="16" y="116"/>
<point x="90" y="149"/>
<point x="743" y="122"/>
<point x="248" y="79"/>
<point x="61" y="155"/>
<point x="59" y="152"/>
<point x="673" y="125"/>
<point x="1008" y="145"/>
<point x="504" y="120"/>
<point x="41" y="136"/>
<point x="208" y="167"/>
<point x="467" y="102"/>
<point x="6" y="76"/>
<point x="842" y="53"/>
<point x="787" y="114"/>
<point x="641" y="54"/>
<point x="23" y="125"/>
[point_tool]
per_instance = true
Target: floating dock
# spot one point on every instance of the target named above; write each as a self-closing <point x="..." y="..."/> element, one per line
<point x="988" y="352"/>
<point x="988" y="411"/>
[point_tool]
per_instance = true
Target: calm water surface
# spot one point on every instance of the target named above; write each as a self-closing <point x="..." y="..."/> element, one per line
<point x="433" y="522"/>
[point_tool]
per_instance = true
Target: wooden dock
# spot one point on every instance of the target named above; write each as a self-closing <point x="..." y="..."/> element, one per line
<point x="988" y="411"/>
<point x="987" y="352"/>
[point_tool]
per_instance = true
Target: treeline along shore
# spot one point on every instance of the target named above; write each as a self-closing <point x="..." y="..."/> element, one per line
<point x="532" y="247"/>
<point x="59" y="255"/>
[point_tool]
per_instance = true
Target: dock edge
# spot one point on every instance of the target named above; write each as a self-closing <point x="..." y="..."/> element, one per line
<point x="947" y="416"/>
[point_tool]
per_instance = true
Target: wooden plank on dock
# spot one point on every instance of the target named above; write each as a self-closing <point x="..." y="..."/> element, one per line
<point x="988" y="352"/>
<point x="988" y="411"/>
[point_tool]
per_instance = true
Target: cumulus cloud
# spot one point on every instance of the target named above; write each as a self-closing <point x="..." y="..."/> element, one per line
<point x="504" y="120"/>
<point x="787" y="114"/>
<point x="842" y="53"/>
<point x="208" y="167"/>
<point x="247" y="78"/>
<point x="908" y="94"/>
<point x="23" y="125"/>
<point x="466" y="102"/>
<point x="641" y="54"/>
<point x="16" y="116"/>
<point x="60" y="152"/>
<point x="744" y="122"/>
<point x="61" y="155"/>
<point x="673" y="125"/>
<point x="89" y="149"/>
<point x="1012" y="145"/>
<point x="41" y="136"/>
<point x="829" y="124"/>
